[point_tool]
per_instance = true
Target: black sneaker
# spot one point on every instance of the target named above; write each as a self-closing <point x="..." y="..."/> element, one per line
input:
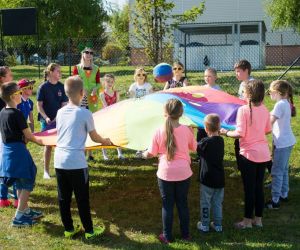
<point x="284" y="199"/>
<point x="272" y="205"/>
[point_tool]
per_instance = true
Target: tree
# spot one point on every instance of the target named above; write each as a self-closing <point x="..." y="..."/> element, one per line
<point x="153" y="23"/>
<point x="119" y="24"/>
<point x="284" y="13"/>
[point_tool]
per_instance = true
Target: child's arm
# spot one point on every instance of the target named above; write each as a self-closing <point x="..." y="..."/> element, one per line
<point x="166" y="86"/>
<point x="229" y="133"/>
<point x="146" y="154"/>
<point x="118" y="97"/>
<point x="30" y="137"/>
<point x="185" y="82"/>
<point x="31" y="121"/>
<point x="102" y="98"/>
<point x="97" y="138"/>
<point x="273" y="119"/>
<point x="131" y="93"/>
<point x="42" y="111"/>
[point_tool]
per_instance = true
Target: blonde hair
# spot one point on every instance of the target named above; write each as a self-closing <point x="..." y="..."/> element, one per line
<point x="73" y="85"/>
<point x="283" y="88"/>
<point x="212" y="122"/>
<point x="212" y="70"/>
<point x="50" y="68"/>
<point x="174" y="111"/>
<point x="82" y="61"/>
<point x="136" y="72"/>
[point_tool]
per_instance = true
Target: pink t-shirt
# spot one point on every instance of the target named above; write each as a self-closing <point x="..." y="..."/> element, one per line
<point x="253" y="142"/>
<point x="179" y="168"/>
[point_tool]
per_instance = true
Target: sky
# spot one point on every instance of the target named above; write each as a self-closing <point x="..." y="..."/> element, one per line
<point x="119" y="3"/>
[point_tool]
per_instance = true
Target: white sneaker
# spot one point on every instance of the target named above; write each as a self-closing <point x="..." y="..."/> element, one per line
<point x="202" y="228"/>
<point x="121" y="157"/>
<point x="46" y="176"/>
<point x="105" y="158"/>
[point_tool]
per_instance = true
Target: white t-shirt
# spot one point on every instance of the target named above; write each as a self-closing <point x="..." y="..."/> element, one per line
<point x="140" y="90"/>
<point x="282" y="131"/>
<point x="73" y="123"/>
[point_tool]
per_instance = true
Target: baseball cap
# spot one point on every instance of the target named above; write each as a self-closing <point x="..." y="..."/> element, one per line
<point x="24" y="83"/>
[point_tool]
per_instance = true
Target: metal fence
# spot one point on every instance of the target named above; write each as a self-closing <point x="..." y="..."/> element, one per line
<point x="196" y="47"/>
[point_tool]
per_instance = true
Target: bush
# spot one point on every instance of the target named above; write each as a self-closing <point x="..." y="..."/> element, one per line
<point x="10" y="61"/>
<point x="112" y="53"/>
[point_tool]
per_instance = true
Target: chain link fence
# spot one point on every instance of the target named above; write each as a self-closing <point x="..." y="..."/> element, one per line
<point x="219" y="46"/>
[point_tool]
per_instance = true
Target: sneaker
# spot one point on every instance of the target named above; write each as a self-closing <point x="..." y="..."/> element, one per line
<point x="284" y="199"/>
<point x="272" y="205"/>
<point x="24" y="221"/>
<point x="5" y="203"/>
<point x="241" y="226"/>
<point x="46" y="176"/>
<point x="16" y="203"/>
<point x="121" y="157"/>
<point x="202" y="228"/>
<point x="163" y="239"/>
<point x="96" y="232"/>
<point x="105" y="158"/>
<point x="216" y="228"/>
<point x="71" y="234"/>
<point x="34" y="214"/>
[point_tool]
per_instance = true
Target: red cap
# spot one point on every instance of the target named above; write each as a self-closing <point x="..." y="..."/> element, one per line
<point x="24" y="83"/>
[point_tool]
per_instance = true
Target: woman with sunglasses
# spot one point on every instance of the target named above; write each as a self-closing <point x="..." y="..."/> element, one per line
<point x="90" y="74"/>
<point x="140" y="87"/>
<point x="178" y="80"/>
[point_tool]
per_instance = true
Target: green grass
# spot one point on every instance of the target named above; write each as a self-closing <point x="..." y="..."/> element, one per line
<point x="125" y="197"/>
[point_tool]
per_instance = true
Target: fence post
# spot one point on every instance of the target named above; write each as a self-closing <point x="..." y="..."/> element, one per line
<point x="69" y="52"/>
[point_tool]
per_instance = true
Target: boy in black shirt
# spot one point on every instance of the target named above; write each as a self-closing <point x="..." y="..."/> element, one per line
<point x="212" y="177"/>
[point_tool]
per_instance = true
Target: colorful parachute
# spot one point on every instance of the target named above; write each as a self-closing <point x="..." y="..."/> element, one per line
<point x="131" y="123"/>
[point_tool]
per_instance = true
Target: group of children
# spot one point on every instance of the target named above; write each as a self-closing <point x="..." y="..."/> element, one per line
<point x="61" y="106"/>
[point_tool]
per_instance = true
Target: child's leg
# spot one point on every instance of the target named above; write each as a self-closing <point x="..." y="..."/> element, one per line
<point x="285" y="180"/>
<point x="23" y="199"/>
<point x="217" y="203"/>
<point x="181" y="199"/>
<point x="120" y="155"/>
<point x="47" y="158"/>
<point x="280" y="163"/>
<point x="64" y="188"/>
<point x="259" y="189"/>
<point x="167" y="192"/>
<point x="206" y="194"/>
<point x="80" y="183"/>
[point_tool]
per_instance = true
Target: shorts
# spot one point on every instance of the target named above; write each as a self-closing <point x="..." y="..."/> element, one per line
<point x="25" y="184"/>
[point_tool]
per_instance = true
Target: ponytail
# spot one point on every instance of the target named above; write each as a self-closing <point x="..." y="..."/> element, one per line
<point x="170" y="140"/>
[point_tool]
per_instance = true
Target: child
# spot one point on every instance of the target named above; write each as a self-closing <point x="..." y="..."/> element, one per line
<point x="140" y="87"/>
<point x="210" y="77"/>
<point x="16" y="164"/>
<point x="50" y="98"/>
<point x="26" y="105"/>
<point x="212" y="176"/>
<point x="242" y="71"/>
<point x="6" y="76"/>
<point x="178" y="79"/>
<point x="283" y="141"/>
<point x="109" y="97"/>
<point x="73" y="124"/>
<point x="252" y="125"/>
<point x="172" y="143"/>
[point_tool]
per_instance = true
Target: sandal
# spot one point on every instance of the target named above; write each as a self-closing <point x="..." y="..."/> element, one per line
<point x="241" y="226"/>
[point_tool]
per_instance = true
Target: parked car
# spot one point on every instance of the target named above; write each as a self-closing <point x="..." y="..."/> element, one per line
<point x="36" y="59"/>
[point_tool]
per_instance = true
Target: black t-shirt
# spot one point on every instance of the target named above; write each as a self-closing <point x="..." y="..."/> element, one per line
<point x="12" y="123"/>
<point x="2" y="104"/>
<point x="52" y="96"/>
<point x="211" y="152"/>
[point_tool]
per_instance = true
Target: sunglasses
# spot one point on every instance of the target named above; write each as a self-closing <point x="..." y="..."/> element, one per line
<point x="28" y="87"/>
<point x="88" y="52"/>
<point x="141" y="75"/>
<point x="179" y="69"/>
<point x="18" y="92"/>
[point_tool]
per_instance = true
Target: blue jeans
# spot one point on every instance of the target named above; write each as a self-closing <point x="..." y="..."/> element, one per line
<point x="211" y="197"/>
<point x="174" y="192"/>
<point x="280" y="173"/>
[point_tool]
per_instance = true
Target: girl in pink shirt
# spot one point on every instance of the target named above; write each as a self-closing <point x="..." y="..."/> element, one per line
<point x="253" y="123"/>
<point x="172" y="144"/>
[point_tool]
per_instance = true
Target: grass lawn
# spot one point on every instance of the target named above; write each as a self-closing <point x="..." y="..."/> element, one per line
<point x="125" y="197"/>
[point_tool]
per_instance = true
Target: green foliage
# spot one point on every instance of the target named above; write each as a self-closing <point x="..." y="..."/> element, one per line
<point x="10" y="61"/>
<point x="284" y="13"/>
<point x="153" y="23"/>
<point x="119" y="24"/>
<point x="112" y="53"/>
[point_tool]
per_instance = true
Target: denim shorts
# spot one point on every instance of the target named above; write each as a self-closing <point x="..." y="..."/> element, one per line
<point x="26" y="184"/>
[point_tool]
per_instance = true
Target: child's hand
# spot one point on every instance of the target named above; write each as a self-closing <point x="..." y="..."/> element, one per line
<point x="223" y="131"/>
<point x="48" y="120"/>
